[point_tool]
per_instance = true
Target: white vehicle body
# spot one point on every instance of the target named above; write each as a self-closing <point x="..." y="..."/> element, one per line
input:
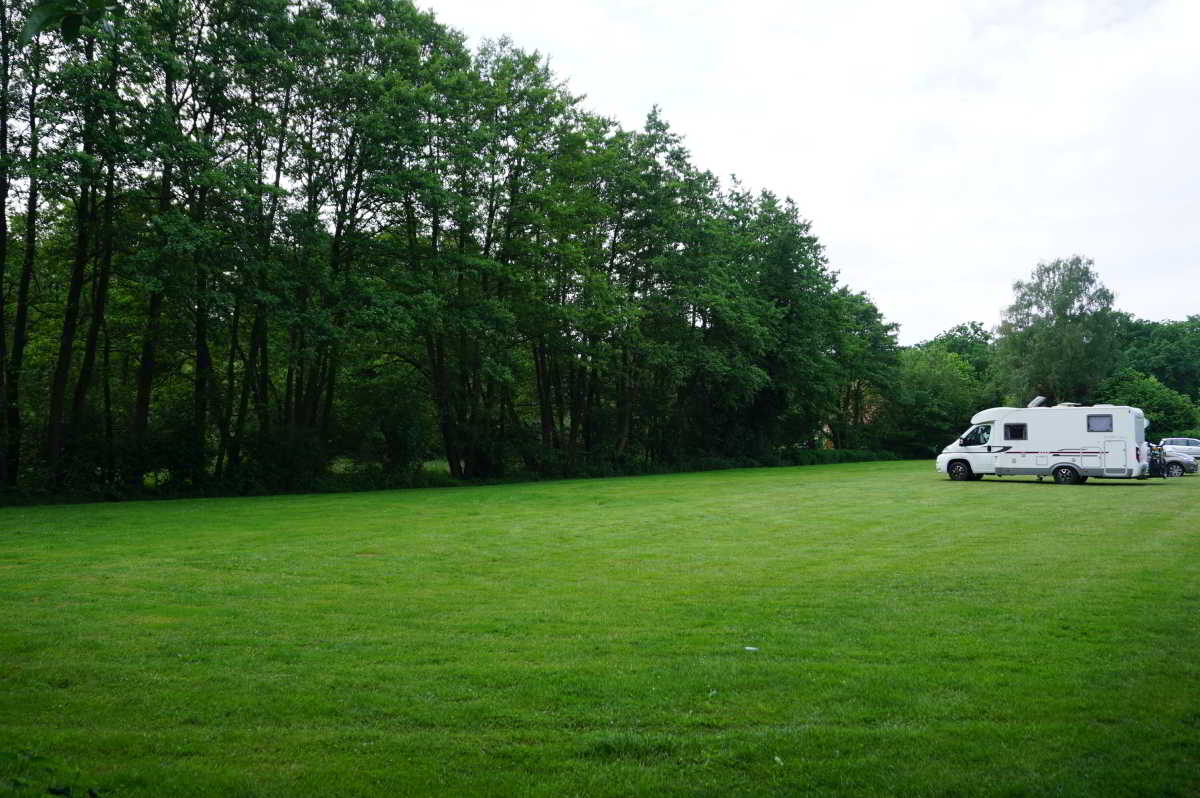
<point x="1188" y="446"/>
<point x="1067" y="442"/>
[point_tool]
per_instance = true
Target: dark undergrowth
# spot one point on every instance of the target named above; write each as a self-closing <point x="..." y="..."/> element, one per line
<point x="279" y="480"/>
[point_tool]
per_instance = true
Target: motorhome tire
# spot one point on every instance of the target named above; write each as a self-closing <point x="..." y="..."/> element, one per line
<point x="1174" y="470"/>
<point x="1066" y="475"/>
<point x="960" y="470"/>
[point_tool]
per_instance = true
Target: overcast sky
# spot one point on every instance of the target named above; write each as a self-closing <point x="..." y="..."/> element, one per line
<point x="941" y="149"/>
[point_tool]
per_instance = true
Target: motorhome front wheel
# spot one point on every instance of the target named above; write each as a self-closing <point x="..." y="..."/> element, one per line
<point x="959" y="471"/>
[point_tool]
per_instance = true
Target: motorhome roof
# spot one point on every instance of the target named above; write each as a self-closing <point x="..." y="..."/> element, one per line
<point x="994" y="413"/>
<point x="991" y="414"/>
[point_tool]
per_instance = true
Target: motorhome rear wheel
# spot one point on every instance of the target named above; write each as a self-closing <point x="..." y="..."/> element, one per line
<point x="1065" y="475"/>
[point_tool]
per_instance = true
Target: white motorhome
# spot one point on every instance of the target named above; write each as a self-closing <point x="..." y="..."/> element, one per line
<point x="1067" y="442"/>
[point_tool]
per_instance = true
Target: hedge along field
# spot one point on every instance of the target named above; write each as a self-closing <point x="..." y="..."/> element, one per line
<point x="867" y="629"/>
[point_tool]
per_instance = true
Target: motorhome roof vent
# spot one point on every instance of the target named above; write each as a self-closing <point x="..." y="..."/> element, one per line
<point x="1037" y="401"/>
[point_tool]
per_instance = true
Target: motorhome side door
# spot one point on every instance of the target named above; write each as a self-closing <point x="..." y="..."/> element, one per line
<point x="1116" y="456"/>
<point x="978" y="449"/>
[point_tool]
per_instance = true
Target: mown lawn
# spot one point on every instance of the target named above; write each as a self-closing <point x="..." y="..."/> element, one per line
<point x="868" y="629"/>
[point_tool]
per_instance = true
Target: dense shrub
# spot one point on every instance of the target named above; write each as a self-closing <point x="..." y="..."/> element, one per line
<point x="255" y="482"/>
<point x="799" y="456"/>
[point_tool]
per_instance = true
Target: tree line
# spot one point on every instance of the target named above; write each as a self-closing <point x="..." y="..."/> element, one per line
<point x="251" y="246"/>
<point x="1061" y="337"/>
<point x="246" y="241"/>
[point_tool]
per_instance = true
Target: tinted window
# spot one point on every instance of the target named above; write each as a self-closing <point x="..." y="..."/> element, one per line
<point x="978" y="436"/>
<point x="1099" y="424"/>
<point x="1014" y="432"/>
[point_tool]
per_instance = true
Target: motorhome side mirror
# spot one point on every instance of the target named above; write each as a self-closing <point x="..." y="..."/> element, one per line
<point x="961" y="442"/>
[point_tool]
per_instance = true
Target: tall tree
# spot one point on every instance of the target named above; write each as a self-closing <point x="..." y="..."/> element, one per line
<point x="83" y="107"/>
<point x="30" y="171"/>
<point x="1058" y="337"/>
<point x="865" y="353"/>
<point x="7" y="52"/>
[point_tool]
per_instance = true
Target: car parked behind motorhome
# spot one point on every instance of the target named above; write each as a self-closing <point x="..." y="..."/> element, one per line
<point x="1067" y="442"/>
<point x="1188" y="446"/>
<point x="1176" y="464"/>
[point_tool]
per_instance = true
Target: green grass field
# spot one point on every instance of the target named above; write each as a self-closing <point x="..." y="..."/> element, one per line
<point x="869" y="629"/>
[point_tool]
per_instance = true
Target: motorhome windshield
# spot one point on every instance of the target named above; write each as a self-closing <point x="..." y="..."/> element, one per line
<point x="978" y="436"/>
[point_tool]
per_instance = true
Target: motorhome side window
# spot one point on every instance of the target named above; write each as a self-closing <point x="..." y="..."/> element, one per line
<point x="1100" y="424"/>
<point x="1015" y="432"/>
<point x="978" y="436"/>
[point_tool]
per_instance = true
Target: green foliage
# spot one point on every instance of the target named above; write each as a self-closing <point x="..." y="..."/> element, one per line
<point x="270" y="237"/>
<point x="934" y="394"/>
<point x="334" y="234"/>
<point x="865" y="357"/>
<point x="972" y="342"/>
<point x="1169" y="412"/>
<point x="67" y="16"/>
<point x="1059" y="336"/>
<point x="1168" y="350"/>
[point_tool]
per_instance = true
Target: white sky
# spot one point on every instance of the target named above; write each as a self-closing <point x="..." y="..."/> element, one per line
<point x="941" y="149"/>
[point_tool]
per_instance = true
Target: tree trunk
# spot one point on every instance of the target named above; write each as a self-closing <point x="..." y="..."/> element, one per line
<point x="330" y="383"/>
<point x="21" y="321"/>
<point x="109" y="450"/>
<point x="546" y="413"/>
<point x="104" y="268"/>
<point x="235" y="446"/>
<point x="83" y="239"/>
<point x="202" y="378"/>
<point x="262" y="376"/>
<point x="579" y="383"/>
<point x="227" y="408"/>
<point x="447" y="421"/>
<point x="5" y="181"/>
<point x="146" y="367"/>
<point x="145" y="385"/>
<point x="200" y="388"/>
<point x="99" y="303"/>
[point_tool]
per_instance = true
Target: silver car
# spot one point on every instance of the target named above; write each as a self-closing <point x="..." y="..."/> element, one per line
<point x="1188" y="446"/>
<point x="1176" y="464"/>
